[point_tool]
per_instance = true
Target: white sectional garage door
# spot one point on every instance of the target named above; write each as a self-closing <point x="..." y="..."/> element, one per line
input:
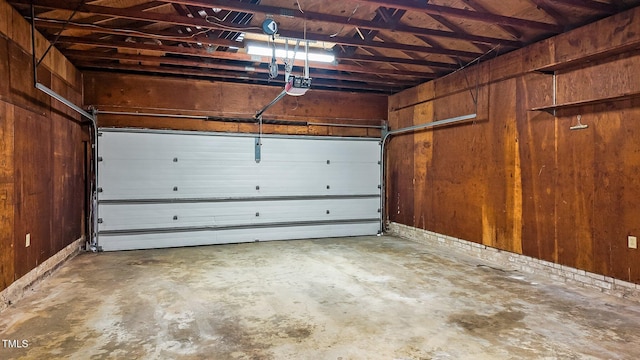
<point x="164" y="188"/>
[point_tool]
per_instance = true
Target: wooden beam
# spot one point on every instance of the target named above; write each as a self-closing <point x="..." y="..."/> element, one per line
<point x="200" y="63"/>
<point x="395" y="60"/>
<point x="589" y="5"/>
<point x="551" y="11"/>
<point x="122" y="13"/>
<point x="380" y="45"/>
<point x="95" y="19"/>
<point x="341" y="20"/>
<point x="218" y="75"/>
<point x="55" y="24"/>
<point x="185" y="21"/>
<point x="465" y="14"/>
<point x="510" y="29"/>
<point x="225" y="55"/>
<point x="455" y="28"/>
<point x="44" y="24"/>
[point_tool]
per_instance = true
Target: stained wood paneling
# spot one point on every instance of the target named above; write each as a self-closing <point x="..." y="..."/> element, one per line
<point x="6" y="12"/>
<point x="34" y="176"/>
<point x="422" y="165"/>
<point x="606" y="78"/>
<point x="41" y="153"/>
<point x="4" y="68"/>
<point x="502" y="207"/>
<point x="574" y="200"/>
<point x="121" y="92"/>
<point x="521" y="180"/>
<point x="537" y="139"/>
<point x="6" y="194"/>
<point x="616" y="150"/>
<point x="614" y="34"/>
<point x="68" y="167"/>
<point x="400" y="181"/>
<point x="21" y="91"/>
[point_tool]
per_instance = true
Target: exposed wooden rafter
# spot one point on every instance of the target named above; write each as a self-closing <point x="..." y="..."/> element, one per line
<point x="464" y="14"/>
<point x="379" y="45"/>
<point x="225" y="55"/>
<point x="372" y="25"/>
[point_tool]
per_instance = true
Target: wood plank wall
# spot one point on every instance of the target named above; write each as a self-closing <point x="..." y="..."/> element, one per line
<point x="521" y="180"/>
<point x="42" y="153"/>
<point x="153" y="94"/>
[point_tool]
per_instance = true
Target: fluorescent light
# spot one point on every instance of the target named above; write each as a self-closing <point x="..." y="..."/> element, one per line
<point x="280" y="53"/>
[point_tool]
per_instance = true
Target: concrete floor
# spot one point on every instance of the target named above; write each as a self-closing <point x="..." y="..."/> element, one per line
<point x="348" y="298"/>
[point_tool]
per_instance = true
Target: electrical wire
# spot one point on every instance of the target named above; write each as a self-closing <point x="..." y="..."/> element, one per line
<point x="473" y="61"/>
<point x="219" y="22"/>
<point x="75" y="11"/>
<point x="348" y="19"/>
<point x="127" y="31"/>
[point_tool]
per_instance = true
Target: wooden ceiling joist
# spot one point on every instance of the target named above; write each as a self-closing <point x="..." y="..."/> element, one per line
<point x="56" y="25"/>
<point x="229" y="76"/>
<point x="380" y="45"/>
<point x="551" y="11"/>
<point x="465" y="14"/>
<point x="200" y="63"/>
<point x="341" y="20"/>
<point x="226" y="55"/>
<point x="508" y="28"/>
<point x="202" y="23"/>
<point x="589" y="5"/>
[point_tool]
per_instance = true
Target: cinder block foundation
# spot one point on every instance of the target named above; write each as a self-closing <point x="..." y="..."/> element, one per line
<point x="22" y="286"/>
<point x="522" y="263"/>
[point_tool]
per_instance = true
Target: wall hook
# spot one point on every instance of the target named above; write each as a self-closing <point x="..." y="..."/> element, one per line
<point x="580" y="124"/>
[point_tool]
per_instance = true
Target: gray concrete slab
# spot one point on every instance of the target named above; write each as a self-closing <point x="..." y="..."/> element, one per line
<point x="346" y="298"/>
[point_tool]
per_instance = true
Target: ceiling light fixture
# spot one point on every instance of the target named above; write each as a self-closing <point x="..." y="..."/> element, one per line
<point x="313" y="56"/>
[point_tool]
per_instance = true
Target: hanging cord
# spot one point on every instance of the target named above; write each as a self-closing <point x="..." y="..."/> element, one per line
<point x="226" y="25"/>
<point x="260" y="131"/>
<point x="288" y="62"/>
<point x="273" y="66"/>
<point x="126" y="31"/>
<point x="474" y="95"/>
<point x="472" y="61"/>
<point x="306" y="50"/>
<point x="348" y="19"/>
<point x="64" y="26"/>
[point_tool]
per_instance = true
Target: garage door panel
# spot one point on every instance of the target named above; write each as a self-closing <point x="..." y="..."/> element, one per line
<point x="221" y="189"/>
<point x="301" y="151"/>
<point x="147" y="180"/>
<point x="131" y="145"/>
<point x="212" y="237"/>
<point x="118" y="216"/>
<point x="164" y="181"/>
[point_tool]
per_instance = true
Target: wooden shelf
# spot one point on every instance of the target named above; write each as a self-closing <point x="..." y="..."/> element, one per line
<point x="574" y="104"/>
<point x="570" y="64"/>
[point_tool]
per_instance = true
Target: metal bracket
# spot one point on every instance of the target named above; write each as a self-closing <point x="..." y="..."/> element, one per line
<point x="95" y="248"/>
<point x="384" y="132"/>
<point x="37" y="62"/>
<point x="258" y="149"/>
